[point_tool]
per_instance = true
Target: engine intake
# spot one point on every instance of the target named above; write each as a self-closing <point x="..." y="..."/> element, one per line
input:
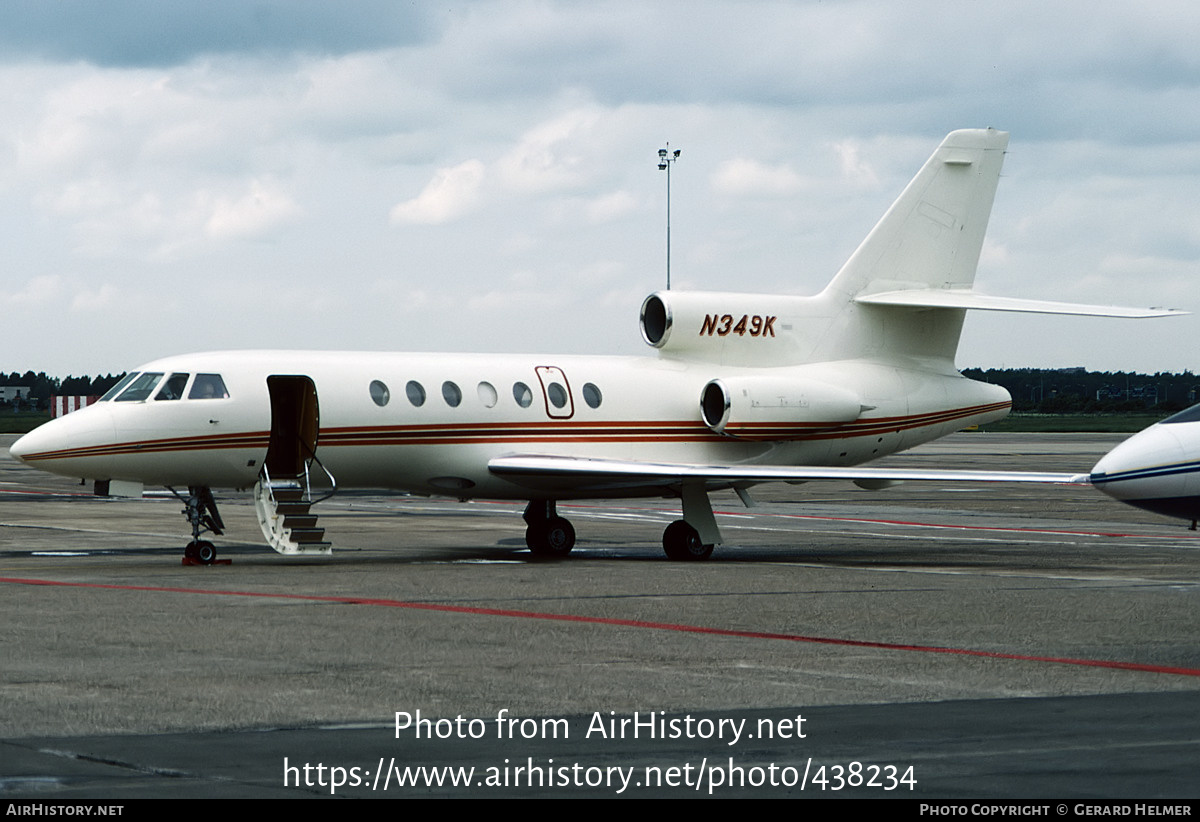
<point x="775" y="407"/>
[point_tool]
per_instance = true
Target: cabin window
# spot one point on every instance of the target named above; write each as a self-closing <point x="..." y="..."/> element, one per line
<point x="451" y="393"/>
<point x="487" y="394"/>
<point x="141" y="388"/>
<point x="522" y="394"/>
<point x="415" y="393"/>
<point x="119" y="387"/>
<point x="379" y="393"/>
<point x="172" y="389"/>
<point x="556" y="394"/>
<point x="208" y="387"/>
<point x="592" y="395"/>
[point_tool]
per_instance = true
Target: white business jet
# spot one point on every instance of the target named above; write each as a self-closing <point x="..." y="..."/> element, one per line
<point x="1157" y="469"/>
<point x="743" y="389"/>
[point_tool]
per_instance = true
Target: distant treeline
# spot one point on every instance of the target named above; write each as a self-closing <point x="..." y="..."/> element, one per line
<point x="1079" y="391"/>
<point x="42" y="387"/>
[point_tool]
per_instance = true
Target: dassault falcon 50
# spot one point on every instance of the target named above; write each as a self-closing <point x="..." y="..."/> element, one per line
<point x="743" y="389"/>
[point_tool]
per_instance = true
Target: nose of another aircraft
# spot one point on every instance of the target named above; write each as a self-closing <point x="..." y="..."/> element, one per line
<point x="1151" y="470"/>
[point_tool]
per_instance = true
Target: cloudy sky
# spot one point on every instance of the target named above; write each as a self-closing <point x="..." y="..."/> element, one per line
<point x="181" y="176"/>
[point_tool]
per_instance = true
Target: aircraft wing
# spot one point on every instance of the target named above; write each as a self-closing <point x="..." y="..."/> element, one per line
<point x="600" y="474"/>
<point x="966" y="298"/>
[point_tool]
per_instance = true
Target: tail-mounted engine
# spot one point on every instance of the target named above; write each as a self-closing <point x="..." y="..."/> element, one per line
<point x="775" y="407"/>
<point x="747" y="329"/>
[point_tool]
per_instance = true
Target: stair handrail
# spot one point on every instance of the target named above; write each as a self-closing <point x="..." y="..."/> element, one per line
<point x="312" y="457"/>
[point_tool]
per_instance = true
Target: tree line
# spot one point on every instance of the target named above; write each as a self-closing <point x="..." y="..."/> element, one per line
<point x="1079" y="391"/>
<point x="42" y="386"/>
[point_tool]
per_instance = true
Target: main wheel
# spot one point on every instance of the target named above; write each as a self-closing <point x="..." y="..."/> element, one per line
<point x="553" y="538"/>
<point x="682" y="542"/>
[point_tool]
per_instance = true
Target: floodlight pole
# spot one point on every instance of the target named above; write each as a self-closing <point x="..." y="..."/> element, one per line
<point x="666" y="159"/>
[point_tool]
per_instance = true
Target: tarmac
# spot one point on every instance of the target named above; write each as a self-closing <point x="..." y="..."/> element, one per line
<point x="929" y="641"/>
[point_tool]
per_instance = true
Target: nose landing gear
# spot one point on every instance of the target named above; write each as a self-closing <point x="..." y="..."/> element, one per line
<point x="201" y="513"/>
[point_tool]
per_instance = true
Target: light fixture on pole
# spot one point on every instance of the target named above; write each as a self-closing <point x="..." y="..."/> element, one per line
<point x="666" y="159"/>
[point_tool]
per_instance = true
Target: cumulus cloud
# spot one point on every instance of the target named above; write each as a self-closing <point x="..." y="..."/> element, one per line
<point x="452" y="193"/>
<point x="261" y="209"/>
<point x="549" y="157"/>
<point x="742" y="177"/>
<point x="611" y="206"/>
<point x="37" y="291"/>
<point x="855" y="167"/>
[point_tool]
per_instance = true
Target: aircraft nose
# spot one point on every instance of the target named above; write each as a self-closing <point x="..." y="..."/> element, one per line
<point x="26" y="444"/>
<point x="57" y="446"/>
<point x="1150" y="470"/>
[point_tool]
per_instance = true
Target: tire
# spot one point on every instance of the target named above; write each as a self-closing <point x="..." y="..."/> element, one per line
<point x="206" y="552"/>
<point x="552" y="539"/>
<point x="681" y="542"/>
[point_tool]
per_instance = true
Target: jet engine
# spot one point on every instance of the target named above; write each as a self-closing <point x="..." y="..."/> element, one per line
<point x="744" y="329"/>
<point x="775" y="407"/>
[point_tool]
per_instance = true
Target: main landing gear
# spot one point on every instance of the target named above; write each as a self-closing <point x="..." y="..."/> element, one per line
<point x="690" y="539"/>
<point x="682" y="543"/>
<point x="548" y="536"/>
<point x="201" y="513"/>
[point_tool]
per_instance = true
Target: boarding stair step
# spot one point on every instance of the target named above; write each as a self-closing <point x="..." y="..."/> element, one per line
<point x="308" y="536"/>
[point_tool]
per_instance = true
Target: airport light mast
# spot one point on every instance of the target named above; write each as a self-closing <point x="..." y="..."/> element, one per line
<point x="666" y="159"/>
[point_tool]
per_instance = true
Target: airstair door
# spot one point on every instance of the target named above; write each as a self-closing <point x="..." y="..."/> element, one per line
<point x="295" y="423"/>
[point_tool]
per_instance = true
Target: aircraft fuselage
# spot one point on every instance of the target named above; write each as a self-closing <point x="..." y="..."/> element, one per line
<point x="429" y="423"/>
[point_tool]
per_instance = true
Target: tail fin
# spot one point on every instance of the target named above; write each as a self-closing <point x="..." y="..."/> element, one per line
<point x="880" y="304"/>
<point x="929" y="239"/>
<point x="932" y="235"/>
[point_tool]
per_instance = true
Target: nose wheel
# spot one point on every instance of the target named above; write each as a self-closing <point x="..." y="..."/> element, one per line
<point x="199" y="552"/>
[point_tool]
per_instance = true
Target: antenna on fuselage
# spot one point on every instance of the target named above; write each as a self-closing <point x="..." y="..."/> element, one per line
<point x="666" y="159"/>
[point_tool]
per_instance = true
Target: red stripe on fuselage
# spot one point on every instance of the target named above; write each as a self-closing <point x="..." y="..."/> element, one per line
<point x="547" y="431"/>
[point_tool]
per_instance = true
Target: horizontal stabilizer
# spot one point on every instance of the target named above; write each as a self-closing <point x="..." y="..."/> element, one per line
<point x="965" y="298"/>
<point x="616" y="474"/>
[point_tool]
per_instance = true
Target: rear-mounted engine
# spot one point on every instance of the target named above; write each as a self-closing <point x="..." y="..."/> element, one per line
<point x="775" y="407"/>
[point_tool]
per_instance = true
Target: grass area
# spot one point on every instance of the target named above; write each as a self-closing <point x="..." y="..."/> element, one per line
<point x="21" y="423"/>
<point x="1074" y="423"/>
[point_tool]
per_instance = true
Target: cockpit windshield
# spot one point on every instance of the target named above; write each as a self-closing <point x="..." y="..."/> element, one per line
<point x="119" y="387"/>
<point x="141" y="387"/>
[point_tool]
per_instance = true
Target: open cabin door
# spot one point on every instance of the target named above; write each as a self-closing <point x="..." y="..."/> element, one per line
<point x="283" y="495"/>
<point x="295" y="424"/>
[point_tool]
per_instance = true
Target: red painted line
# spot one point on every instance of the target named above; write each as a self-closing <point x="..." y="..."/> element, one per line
<point x="629" y="623"/>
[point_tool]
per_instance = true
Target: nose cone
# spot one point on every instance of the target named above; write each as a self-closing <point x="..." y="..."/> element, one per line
<point x="1158" y="470"/>
<point x="35" y="442"/>
<point x="62" y="446"/>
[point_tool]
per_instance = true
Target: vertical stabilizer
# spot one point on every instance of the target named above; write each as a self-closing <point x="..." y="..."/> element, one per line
<point x="932" y="235"/>
<point x="930" y="238"/>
